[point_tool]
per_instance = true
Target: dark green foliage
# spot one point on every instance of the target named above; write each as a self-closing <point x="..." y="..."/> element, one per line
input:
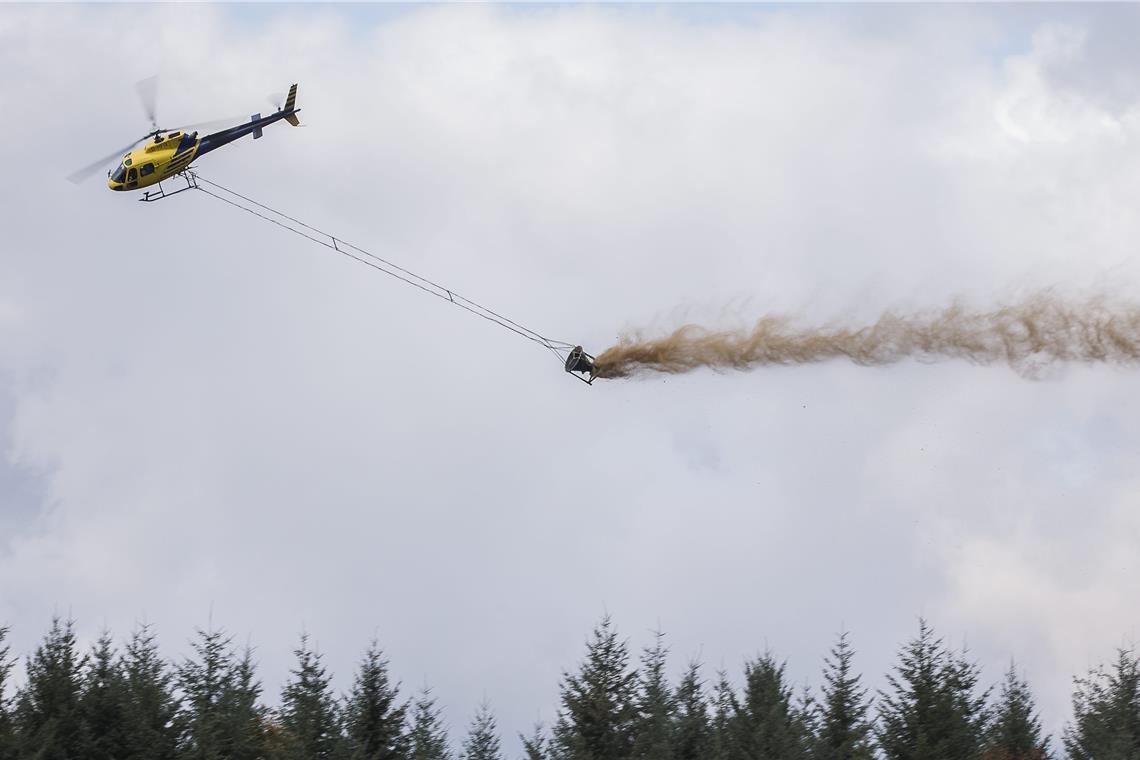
<point x="219" y="715"/>
<point x="428" y="735"/>
<point x="806" y="719"/>
<point x="204" y="681"/>
<point x="844" y="732"/>
<point x="691" y="730"/>
<point x="599" y="714"/>
<point x="244" y="727"/>
<point x="135" y="706"/>
<point x="1106" y="712"/>
<point x="722" y="744"/>
<point x="1015" y="731"/>
<point x="48" y="716"/>
<point x="103" y="703"/>
<point x="309" y="718"/>
<point x="482" y="742"/>
<point x="656" y="707"/>
<point x="149" y="704"/>
<point x="933" y="709"/>
<point x="373" y="721"/>
<point x="7" y="728"/>
<point x="765" y="725"/>
<point x="535" y="746"/>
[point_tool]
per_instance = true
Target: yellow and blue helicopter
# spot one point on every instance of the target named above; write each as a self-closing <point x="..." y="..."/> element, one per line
<point x="169" y="152"/>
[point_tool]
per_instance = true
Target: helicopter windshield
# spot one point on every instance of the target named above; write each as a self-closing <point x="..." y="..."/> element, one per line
<point x="120" y="174"/>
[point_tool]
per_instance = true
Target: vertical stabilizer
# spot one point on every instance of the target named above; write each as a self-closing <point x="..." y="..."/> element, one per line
<point x="291" y="107"/>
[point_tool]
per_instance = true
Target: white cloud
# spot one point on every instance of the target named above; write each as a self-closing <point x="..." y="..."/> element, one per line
<point x="231" y="419"/>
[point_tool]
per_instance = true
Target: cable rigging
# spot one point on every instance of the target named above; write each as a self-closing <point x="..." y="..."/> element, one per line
<point x="573" y="358"/>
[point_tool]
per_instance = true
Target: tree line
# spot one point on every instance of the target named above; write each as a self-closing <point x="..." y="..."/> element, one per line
<point x="130" y="703"/>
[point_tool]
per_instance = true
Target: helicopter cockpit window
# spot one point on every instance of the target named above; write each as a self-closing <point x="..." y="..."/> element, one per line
<point x="126" y="162"/>
<point x="132" y="175"/>
<point x="120" y="175"/>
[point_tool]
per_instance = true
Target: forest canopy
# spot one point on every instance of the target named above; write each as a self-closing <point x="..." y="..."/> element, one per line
<point x="126" y="702"/>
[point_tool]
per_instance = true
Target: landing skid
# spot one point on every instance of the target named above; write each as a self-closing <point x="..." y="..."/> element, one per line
<point x="150" y="196"/>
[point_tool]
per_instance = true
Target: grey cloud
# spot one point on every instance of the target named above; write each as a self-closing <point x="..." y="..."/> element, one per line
<point x="231" y="419"/>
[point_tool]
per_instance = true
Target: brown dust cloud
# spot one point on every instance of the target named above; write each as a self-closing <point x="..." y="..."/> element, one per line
<point x="1030" y="335"/>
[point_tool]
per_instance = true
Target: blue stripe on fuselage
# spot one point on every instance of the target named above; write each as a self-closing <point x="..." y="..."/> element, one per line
<point x="218" y="139"/>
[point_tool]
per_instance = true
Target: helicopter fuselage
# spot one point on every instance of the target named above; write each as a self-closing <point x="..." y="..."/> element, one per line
<point x="165" y="155"/>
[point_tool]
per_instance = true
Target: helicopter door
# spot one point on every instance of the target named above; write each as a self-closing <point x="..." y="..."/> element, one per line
<point x="132" y="177"/>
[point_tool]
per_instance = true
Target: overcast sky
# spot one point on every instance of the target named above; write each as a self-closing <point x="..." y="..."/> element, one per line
<point x="205" y="418"/>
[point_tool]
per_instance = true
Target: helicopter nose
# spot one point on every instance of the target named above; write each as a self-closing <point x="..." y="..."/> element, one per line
<point x="114" y="185"/>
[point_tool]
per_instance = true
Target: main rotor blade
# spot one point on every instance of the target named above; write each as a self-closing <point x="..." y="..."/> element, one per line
<point x="148" y="94"/>
<point x="87" y="171"/>
<point x="230" y="121"/>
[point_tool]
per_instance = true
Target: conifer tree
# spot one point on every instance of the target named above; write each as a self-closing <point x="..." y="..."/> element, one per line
<point x="482" y="742"/>
<point x="309" y="717"/>
<point x="765" y="725"/>
<point x="7" y="729"/>
<point x="722" y="743"/>
<point x="49" y="722"/>
<point x="244" y="719"/>
<point x="535" y="746"/>
<point x="150" y="708"/>
<point x="373" y="721"/>
<point x="691" y="730"/>
<point x="656" y="706"/>
<point x="205" y="681"/>
<point x="428" y="735"/>
<point x="1106" y="712"/>
<point x="806" y="722"/>
<point x="1015" y="733"/>
<point x="598" y="714"/>
<point x="844" y="730"/>
<point x="103" y="703"/>
<point x="933" y="709"/>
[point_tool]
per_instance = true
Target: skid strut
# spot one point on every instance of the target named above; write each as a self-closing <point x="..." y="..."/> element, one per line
<point x="150" y="196"/>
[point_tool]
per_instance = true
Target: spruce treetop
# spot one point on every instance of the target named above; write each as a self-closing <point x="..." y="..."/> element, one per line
<point x="308" y="709"/>
<point x="1015" y="732"/>
<point x="373" y="720"/>
<point x="933" y="708"/>
<point x="598" y="715"/>
<point x="691" y="730"/>
<point x="428" y="735"/>
<point x="1106" y="712"/>
<point x="482" y="742"/>
<point x="48" y="714"/>
<point x="844" y="730"/>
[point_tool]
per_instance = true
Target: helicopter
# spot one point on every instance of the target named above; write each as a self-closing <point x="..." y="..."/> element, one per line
<point x="169" y="152"/>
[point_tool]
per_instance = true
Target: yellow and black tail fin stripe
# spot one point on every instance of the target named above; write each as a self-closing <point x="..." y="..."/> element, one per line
<point x="290" y="106"/>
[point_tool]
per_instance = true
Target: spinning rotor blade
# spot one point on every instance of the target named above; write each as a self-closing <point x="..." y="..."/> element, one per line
<point x="87" y="171"/>
<point x="148" y="94"/>
<point x="231" y="121"/>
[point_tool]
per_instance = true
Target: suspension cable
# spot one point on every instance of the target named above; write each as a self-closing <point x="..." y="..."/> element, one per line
<point x="343" y="247"/>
